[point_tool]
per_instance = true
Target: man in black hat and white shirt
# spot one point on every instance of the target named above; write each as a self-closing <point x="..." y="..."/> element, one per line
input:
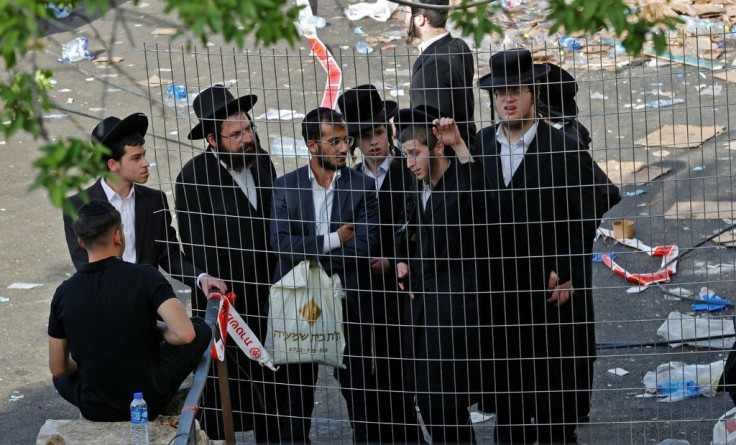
<point x="223" y="200"/>
<point x="442" y="75"/>
<point x="151" y="239"/>
<point x="542" y="182"/>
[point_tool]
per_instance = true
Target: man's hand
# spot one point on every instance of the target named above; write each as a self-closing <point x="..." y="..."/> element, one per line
<point x="346" y="232"/>
<point x="380" y="266"/>
<point x="211" y="284"/>
<point x="561" y="293"/>
<point x="402" y="273"/>
<point x="446" y="130"/>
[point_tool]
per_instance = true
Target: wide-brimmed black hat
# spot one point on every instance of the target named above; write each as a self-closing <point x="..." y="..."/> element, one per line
<point x="557" y="96"/>
<point x="363" y="108"/>
<point x="512" y="68"/>
<point x="422" y="115"/>
<point x="112" y="129"/>
<point x="217" y="103"/>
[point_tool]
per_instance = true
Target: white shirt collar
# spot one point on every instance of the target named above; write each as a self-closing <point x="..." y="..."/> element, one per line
<point x="312" y="178"/>
<point x="424" y="45"/>
<point x="381" y="171"/>
<point x="111" y="194"/>
<point x="526" y="139"/>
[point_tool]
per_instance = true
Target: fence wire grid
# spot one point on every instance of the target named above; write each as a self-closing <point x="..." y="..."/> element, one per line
<point x="475" y="348"/>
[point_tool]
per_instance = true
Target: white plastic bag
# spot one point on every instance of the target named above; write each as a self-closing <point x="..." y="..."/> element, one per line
<point x="724" y="431"/>
<point x="675" y="381"/>
<point x="305" y="317"/>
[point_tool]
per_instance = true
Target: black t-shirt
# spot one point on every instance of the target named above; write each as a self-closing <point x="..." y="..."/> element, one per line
<point x="107" y="313"/>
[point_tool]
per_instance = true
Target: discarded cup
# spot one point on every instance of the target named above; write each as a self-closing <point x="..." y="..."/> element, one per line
<point x="363" y="47"/>
<point x="176" y="91"/>
<point x="623" y="228"/>
<point x="76" y="50"/>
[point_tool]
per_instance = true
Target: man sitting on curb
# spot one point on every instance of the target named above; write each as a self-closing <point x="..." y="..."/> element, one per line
<point x="104" y="342"/>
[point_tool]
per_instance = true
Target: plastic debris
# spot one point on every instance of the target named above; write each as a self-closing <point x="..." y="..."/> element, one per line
<point x="637" y="192"/>
<point x="675" y="381"/>
<point x="363" y="47"/>
<point x="717" y="333"/>
<point x="598" y="257"/>
<point x="570" y="43"/>
<point x="711" y="90"/>
<point x="713" y="303"/>
<point x="699" y="168"/>
<point x="15" y="397"/>
<point x="664" y="103"/>
<point x="381" y="10"/>
<point x="60" y="12"/>
<point x="618" y="371"/>
<point x="289" y="147"/>
<point x="317" y="21"/>
<point x="54" y="116"/>
<point x="359" y="31"/>
<point x="478" y="417"/>
<point x="176" y="91"/>
<point x="279" y="115"/>
<point x="76" y="50"/>
<point x="598" y="96"/>
<point x="4" y="299"/>
<point x="724" y="430"/>
<point x="24" y="286"/>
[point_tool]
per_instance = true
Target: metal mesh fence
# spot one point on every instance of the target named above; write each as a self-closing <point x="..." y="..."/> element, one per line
<point x="479" y="333"/>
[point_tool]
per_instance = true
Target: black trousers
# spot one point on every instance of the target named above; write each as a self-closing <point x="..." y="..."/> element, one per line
<point x="299" y="380"/>
<point x="177" y="362"/>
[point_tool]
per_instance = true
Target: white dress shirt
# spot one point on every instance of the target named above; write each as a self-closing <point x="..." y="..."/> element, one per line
<point x="426" y="193"/>
<point x="322" y="199"/>
<point x="513" y="154"/>
<point x="245" y="181"/>
<point x="424" y="45"/>
<point x="126" y="207"/>
<point x="381" y="172"/>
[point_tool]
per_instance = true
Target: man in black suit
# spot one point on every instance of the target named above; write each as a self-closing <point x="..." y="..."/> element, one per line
<point x="442" y="76"/>
<point x="223" y="199"/>
<point x="542" y="182"/>
<point x="368" y="119"/>
<point x="444" y="243"/>
<point x="329" y="213"/>
<point x="145" y="212"/>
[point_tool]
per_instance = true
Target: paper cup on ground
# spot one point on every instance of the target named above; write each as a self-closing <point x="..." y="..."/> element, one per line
<point x="623" y="228"/>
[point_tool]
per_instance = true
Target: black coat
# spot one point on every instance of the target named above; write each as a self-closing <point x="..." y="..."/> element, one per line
<point x="294" y="238"/>
<point x="222" y="232"/>
<point x="446" y="244"/>
<point x="547" y="223"/>
<point x="442" y="77"/>
<point x="155" y="238"/>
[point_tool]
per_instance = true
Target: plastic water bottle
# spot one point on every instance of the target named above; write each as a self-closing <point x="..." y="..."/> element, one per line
<point x="176" y="91"/>
<point x="76" y="50"/>
<point x="363" y="47"/>
<point x="570" y="43"/>
<point x="138" y="420"/>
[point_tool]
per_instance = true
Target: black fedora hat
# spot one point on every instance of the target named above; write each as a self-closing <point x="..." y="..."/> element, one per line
<point x="422" y="115"/>
<point x="363" y="108"/>
<point x="112" y="129"/>
<point x="557" y="98"/>
<point x="511" y="68"/>
<point x="215" y="103"/>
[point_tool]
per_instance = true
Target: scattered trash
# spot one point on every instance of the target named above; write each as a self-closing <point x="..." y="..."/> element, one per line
<point x="724" y="431"/>
<point x="272" y="114"/>
<point x="713" y="303"/>
<point x="661" y="153"/>
<point x="381" y="10"/>
<point x="396" y="93"/>
<point x="637" y="192"/>
<point x="699" y="168"/>
<point x="363" y="47"/>
<point x="176" y="91"/>
<point x="317" y="21"/>
<point x="598" y="96"/>
<point x="680" y="136"/>
<point x="618" y="371"/>
<point x="569" y="43"/>
<point x="54" y="116"/>
<point x="4" y="299"/>
<point x="289" y="147"/>
<point x="623" y="229"/>
<point x="676" y="293"/>
<point x="109" y="61"/>
<point x="687" y="60"/>
<point x="675" y="381"/>
<point x="60" y="12"/>
<point x="15" y="397"/>
<point x="664" y="103"/>
<point x="598" y="257"/>
<point x="716" y="333"/>
<point x="164" y="32"/>
<point x="712" y="90"/>
<point x="154" y="81"/>
<point x="76" y="50"/>
<point x="25" y="286"/>
<point x="359" y="31"/>
<point x="388" y="47"/>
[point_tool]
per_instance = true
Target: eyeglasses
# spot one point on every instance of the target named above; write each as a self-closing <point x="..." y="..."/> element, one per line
<point x="511" y="93"/>
<point x="250" y="131"/>
<point x="349" y="141"/>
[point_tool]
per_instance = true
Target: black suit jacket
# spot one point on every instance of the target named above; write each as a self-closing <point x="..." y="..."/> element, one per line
<point x="155" y="237"/>
<point x="294" y="239"/>
<point x="443" y="78"/>
<point x="222" y="232"/>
